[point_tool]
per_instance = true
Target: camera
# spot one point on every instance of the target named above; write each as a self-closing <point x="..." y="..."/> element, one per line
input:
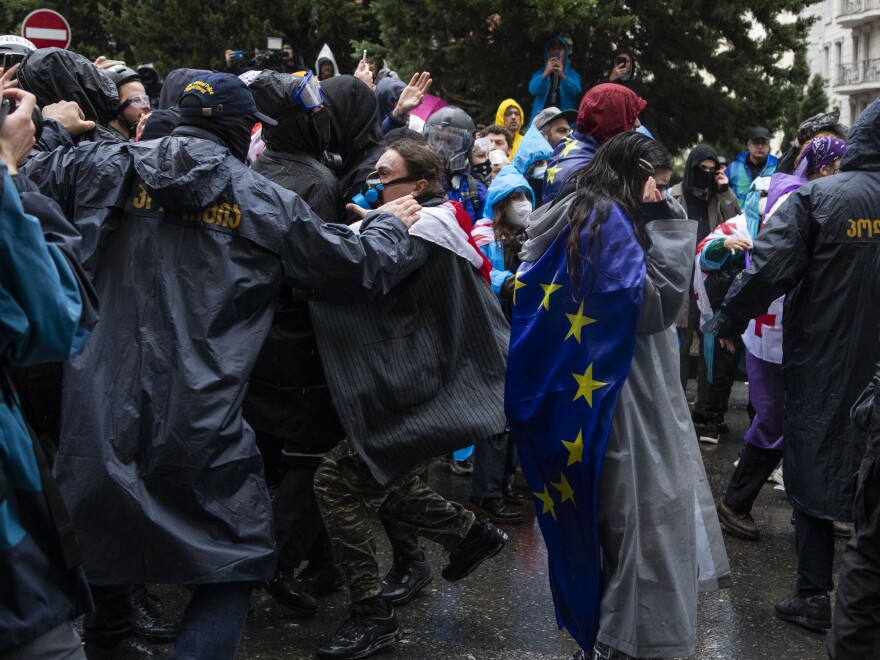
<point x="621" y="59"/>
<point x="238" y="56"/>
<point x="7" y="107"/>
<point x="272" y="57"/>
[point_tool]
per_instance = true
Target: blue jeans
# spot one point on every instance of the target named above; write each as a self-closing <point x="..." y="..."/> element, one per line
<point x="213" y="621"/>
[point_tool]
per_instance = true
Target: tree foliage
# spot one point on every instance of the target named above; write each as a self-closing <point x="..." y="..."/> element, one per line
<point x="710" y="70"/>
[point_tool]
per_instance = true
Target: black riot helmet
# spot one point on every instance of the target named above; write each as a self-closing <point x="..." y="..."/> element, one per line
<point x="121" y="74"/>
<point x="450" y="134"/>
<point x="13" y="50"/>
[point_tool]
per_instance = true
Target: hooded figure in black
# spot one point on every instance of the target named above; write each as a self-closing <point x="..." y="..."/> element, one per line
<point x="288" y="403"/>
<point x="354" y="131"/>
<point x="708" y="200"/>
<point x="822" y="251"/>
<point x="294" y="148"/>
<point x="53" y="75"/>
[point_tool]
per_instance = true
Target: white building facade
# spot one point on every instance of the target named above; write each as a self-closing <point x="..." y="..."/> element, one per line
<point x="844" y="49"/>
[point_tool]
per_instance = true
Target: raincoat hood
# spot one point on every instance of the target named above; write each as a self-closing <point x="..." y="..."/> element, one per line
<point x="508" y="180"/>
<point x="534" y="147"/>
<point x="388" y="92"/>
<point x="297" y="131"/>
<point x="863" y="142"/>
<point x="326" y="55"/>
<point x="696" y="156"/>
<point x="607" y="110"/>
<point x="183" y="174"/>
<point x="53" y="74"/>
<point x="502" y="108"/>
<point x="354" y="128"/>
<point x="175" y="82"/>
<point x="566" y="44"/>
<point x="634" y="71"/>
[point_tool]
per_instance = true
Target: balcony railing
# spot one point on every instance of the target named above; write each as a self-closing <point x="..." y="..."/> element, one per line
<point x="848" y="7"/>
<point x="854" y="73"/>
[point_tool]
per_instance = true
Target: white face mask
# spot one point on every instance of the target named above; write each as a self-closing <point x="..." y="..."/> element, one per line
<point x="518" y="213"/>
<point x="538" y="171"/>
<point x="762" y="206"/>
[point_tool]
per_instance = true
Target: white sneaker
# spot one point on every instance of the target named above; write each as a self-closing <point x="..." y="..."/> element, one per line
<point x="777" y="476"/>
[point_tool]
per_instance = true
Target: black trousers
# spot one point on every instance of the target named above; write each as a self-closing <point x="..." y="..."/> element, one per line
<point x="113" y="618"/>
<point x="856" y="630"/>
<point x="299" y="529"/>
<point x="754" y="468"/>
<point x="814" y="541"/>
<point x="712" y="398"/>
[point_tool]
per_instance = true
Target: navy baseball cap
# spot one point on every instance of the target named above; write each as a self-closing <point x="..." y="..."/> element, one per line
<point x="220" y="95"/>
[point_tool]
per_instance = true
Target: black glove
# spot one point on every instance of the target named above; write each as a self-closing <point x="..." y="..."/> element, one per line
<point x="507" y="288"/>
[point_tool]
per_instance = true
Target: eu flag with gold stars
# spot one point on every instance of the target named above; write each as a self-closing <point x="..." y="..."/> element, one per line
<point x="572" y="153"/>
<point x="571" y="346"/>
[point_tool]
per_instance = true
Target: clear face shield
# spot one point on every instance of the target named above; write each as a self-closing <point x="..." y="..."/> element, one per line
<point x="452" y="145"/>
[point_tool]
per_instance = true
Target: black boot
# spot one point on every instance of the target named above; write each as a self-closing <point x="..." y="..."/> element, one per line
<point x="483" y="541"/>
<point x="321" y="578"/>
<point x="286" y="591"/>
<point x="372" y="625"/>
<point x="495" y="510"/>
<point x="405" y="580"/>
<point x="149" y="622"/>
<point x="754" y="468"/>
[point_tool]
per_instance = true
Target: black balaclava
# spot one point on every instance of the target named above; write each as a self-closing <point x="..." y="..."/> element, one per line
<point x="697" y="183"/>
<point x="234" y="131"/>
<point x="298" y="130"/>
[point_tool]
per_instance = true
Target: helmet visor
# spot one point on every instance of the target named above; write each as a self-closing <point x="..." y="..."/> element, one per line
<point x="309" y="93"/>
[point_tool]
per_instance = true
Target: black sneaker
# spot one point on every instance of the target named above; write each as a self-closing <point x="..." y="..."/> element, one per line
<point x="321" y="578"/>
<point x="128" y="649"/>
<point x="371" y="626"/>
<point x="813" y="612"/>
<point x="150" y="623"/>
<point x="483" y="541"/>
<point x="710" y="433"/>
<point x="405" y="581"/>
<point x="287" y="591"/>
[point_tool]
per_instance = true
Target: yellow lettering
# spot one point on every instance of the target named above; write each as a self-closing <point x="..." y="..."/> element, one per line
<point x="866" y="225"/>
<point x="851" y="232"/>
<point x="224" y="214"/>
<point x="209" y="214"/>
<point x="876" y="227"/>
<point x="234" y="222"/>
<point x="141" y="199"/>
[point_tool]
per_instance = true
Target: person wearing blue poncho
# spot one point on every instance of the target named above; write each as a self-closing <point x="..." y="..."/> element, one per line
<point x="599" y="417"/>
<point x="531" y="159"/>
<point x="556" y="83"/>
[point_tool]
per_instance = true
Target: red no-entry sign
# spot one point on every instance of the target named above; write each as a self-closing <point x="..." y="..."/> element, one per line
<point x="46" y="28"/>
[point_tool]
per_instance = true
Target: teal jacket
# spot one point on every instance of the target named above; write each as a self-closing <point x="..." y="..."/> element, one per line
<point x="741" y="177"/>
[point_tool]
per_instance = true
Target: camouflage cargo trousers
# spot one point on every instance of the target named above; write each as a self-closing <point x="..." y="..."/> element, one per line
<point x="348" y="495"/>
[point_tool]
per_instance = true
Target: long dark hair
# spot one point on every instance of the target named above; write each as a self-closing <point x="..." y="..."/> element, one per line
<point x="618" y="174"/>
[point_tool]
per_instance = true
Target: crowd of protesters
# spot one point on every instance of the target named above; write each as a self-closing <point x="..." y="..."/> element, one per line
<point x="243" y="313"/>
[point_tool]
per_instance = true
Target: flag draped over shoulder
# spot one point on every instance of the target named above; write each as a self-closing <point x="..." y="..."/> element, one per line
<point x="571" y="347"/>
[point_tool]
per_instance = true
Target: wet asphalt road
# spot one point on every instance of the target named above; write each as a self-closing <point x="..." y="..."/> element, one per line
<point x="504" y="610"/>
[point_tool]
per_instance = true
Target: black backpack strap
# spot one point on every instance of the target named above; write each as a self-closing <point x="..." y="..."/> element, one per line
<point x="473" y="194"/>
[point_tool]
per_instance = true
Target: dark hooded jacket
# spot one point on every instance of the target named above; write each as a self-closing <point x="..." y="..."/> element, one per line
<point x="53" y="75"/>
<point x="287" y="393"/>
<point x="189" y="249"/>
<point x="354" y="131"/>
<point x="711" y="211"/>
<point x="822" y="251"/>
<point x="387" y="94"/>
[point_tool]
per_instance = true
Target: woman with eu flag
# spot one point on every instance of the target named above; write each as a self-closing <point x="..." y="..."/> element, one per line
<point x="598" y="413"/>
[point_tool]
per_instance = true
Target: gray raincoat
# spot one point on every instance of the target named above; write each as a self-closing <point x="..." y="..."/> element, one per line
<point x="188" y="249"/>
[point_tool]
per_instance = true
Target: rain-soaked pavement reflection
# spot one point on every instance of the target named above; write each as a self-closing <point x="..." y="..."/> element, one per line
<point x="504" y="610"/>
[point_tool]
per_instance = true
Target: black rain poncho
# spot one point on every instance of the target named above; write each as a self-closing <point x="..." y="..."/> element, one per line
<point x="821" y="249"/>
<point x="188" y="249"/>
